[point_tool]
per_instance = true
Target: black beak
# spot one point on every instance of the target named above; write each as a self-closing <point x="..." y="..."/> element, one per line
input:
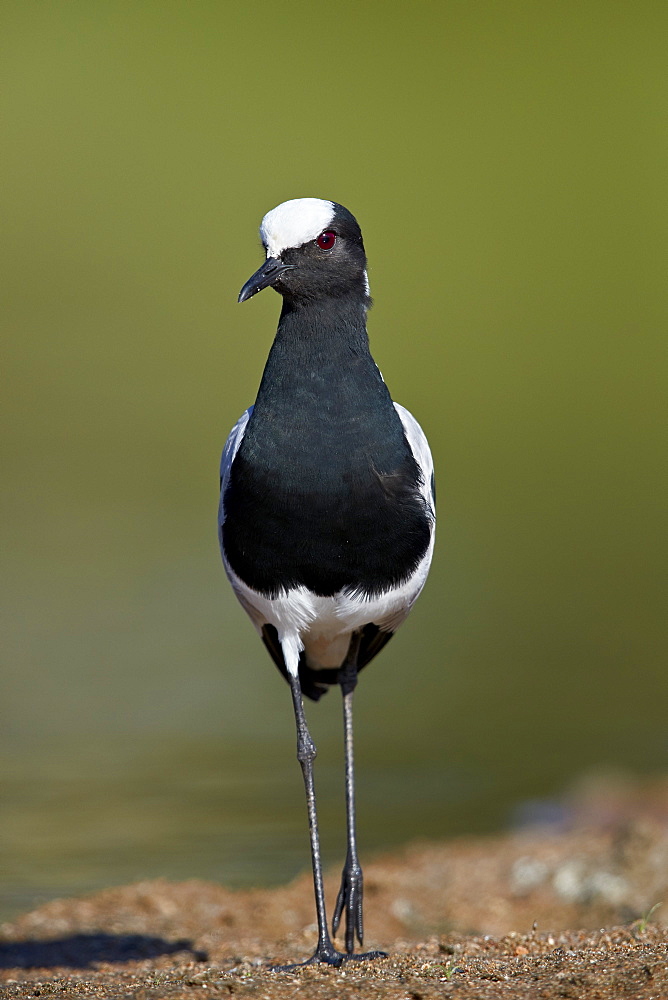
<point x="266" y="275"/>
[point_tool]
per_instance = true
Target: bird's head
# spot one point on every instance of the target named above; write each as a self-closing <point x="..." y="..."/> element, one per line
<point x="314" y="250"/>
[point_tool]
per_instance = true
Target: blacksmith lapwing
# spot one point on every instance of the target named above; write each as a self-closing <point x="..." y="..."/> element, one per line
<point x="326" y="519"/>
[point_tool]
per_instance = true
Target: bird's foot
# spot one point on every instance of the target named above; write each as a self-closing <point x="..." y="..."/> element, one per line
<point x="326" y="954"/>
<point x="350" y="900"/>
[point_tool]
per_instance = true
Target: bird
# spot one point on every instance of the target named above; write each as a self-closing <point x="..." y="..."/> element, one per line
<point x="327" y="505"/>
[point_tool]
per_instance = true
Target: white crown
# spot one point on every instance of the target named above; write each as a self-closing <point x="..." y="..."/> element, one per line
<point x="294" y="223"/>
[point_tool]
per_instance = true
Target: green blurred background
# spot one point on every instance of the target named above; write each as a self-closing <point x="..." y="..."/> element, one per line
<point x="508" y="165"/>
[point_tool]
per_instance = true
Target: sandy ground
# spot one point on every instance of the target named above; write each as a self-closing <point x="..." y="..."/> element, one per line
<point x="539" y="913"/>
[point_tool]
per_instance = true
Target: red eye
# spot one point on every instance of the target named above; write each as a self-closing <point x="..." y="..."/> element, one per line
<point x="326" y="240"/>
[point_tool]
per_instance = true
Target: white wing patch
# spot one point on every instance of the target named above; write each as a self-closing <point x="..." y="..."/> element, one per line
<point x="421" y="453"/>
<point x="229" y="453"/>
<point x="294" y="223"/>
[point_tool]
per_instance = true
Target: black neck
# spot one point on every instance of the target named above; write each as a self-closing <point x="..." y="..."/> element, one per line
<point x="333" y="324"/>
<point x="320" y="358"/>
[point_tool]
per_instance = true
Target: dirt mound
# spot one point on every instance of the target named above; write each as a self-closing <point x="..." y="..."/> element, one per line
<point x="471" y="918"/>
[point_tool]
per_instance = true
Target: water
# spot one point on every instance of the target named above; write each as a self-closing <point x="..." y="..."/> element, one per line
<point x="508" y="170"/>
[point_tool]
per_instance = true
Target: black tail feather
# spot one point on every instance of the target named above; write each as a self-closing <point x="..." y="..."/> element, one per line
<point x="315" y="683"/>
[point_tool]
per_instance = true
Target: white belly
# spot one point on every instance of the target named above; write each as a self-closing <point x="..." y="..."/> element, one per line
<point x="322" y="626"/>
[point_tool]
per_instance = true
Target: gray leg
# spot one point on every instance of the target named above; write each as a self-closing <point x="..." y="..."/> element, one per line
<point x="350" y="897"/>
<point x="325" y="951"/>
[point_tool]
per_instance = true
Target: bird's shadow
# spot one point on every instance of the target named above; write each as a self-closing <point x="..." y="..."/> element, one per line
<point x="83" y="951"/>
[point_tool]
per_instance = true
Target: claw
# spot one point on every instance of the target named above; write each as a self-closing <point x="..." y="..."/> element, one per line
<point x="328" y="955"/>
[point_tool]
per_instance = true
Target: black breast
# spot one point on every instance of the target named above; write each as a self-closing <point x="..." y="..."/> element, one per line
<point x="324" y="491"/>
